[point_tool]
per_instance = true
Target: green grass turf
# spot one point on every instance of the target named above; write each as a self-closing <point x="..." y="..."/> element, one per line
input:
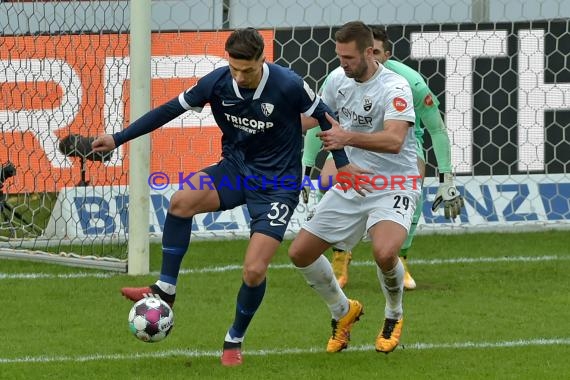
<point x="466" y="320"/>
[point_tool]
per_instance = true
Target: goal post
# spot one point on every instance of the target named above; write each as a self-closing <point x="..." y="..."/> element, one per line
<point x="139" y="191"/>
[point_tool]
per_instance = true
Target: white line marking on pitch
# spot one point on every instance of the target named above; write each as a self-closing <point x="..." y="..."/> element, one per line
<point x="226" y="268"/>
<point x="285" y="351"/>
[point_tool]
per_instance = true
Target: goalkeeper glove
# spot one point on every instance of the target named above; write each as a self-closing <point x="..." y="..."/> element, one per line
<point x="448" y="195"/>
<point x="306" y="190"/>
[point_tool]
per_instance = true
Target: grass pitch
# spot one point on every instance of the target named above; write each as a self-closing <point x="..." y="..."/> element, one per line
<point x="487" y="306"/>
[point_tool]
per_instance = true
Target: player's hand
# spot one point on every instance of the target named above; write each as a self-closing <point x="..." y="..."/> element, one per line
<point x="354" y="177"/>
<point x="448" y="195"/>
<point x="103" y="143"/>
<point x="335" y="138"/>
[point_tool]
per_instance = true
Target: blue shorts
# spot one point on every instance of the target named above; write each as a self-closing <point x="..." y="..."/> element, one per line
<point x="269" y="209"/>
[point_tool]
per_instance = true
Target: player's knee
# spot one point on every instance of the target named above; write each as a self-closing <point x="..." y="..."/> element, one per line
<point x="295" y="254"/>
<point x="181" y="205"/>
<point x="254" y="274"/>
<point x="386" y="255"/>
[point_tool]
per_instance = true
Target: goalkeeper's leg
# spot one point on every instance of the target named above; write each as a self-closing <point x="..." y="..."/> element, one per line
<point x="312" y="145"/>
<point x="409" y="282"/>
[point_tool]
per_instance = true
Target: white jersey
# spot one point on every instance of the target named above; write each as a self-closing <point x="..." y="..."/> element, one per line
<point x="363" y="107"/>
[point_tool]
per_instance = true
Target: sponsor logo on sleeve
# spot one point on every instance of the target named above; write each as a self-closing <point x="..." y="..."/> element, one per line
<point x="399" y="104"/>
<point x="428" y="100"/>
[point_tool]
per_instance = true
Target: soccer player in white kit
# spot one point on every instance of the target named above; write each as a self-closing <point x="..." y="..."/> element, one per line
<point x="376" y="116"/>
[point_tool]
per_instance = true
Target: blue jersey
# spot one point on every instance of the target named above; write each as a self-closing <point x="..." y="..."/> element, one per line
<point x="261" y="128"/>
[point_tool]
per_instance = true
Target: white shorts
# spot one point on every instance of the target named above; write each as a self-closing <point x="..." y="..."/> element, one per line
<point x="343" y="219"/>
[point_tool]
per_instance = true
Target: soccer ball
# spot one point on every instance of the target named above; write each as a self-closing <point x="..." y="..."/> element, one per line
<point x="151" y="319"/>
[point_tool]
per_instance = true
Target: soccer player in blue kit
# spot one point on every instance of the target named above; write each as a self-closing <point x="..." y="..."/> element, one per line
<point x="257" y="105"/>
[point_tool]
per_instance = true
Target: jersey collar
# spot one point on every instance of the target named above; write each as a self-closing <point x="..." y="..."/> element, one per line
<point x="260" y="86"/>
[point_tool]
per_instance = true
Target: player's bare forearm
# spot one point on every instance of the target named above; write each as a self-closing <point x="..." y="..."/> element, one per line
<point x="390" y="140"/>
<point x="381" y="142"/>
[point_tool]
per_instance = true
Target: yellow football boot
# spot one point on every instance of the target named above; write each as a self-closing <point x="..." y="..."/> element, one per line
<point x="341" y="328"/>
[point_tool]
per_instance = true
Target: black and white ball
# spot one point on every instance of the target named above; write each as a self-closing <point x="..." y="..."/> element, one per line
<point x="151" y="319"/>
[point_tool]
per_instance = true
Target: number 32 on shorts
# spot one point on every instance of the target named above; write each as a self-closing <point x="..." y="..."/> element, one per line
<point x="278" y="214"/>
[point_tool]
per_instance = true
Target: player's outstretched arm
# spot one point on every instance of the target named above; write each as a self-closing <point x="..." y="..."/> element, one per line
<point x="447" y="194"/>
<point x="433" y="122"/>
<point x="147" y="123"/>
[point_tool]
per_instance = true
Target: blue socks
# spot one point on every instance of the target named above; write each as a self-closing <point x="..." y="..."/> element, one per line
<point x="248" y="300"/>
<point x="175" y="242"/>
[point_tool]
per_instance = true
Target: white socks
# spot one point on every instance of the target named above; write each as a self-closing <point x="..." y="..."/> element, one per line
<point x="166" y="287"/>
<point x="319" y="275"/>
<point x="392" y="284"/>
<point x="229" y="338"/>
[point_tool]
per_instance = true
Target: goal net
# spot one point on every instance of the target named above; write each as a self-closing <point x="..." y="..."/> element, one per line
<point x="499" y="69"/>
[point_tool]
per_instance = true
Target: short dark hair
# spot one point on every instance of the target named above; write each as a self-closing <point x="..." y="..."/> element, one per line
<point x="380" y="34"/>
<point x="245" y="44"/>
<point x="355" y="31"/>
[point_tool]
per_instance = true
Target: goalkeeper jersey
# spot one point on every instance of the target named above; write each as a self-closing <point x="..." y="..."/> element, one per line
<point x="427" y="114"/>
